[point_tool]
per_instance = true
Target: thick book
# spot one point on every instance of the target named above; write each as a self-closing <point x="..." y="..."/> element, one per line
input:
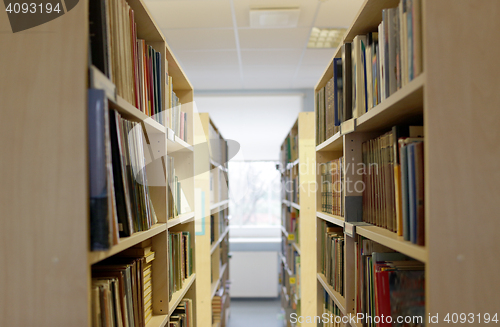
<point x="338" y="91"/>
<point x="359" y="105"/>
<point x="400" y="132"/>
<point x="346" y="81"/>
<point x="120" y="176"/>
<point x="101" y="211"/>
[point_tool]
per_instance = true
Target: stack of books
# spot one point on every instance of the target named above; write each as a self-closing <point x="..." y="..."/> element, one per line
<point x="180" y="260"/>
<point x="393" y="197"/>
<point x="388" y="283"/>
<point x="120" y="203"/>
<point x="183" y="315"/>
<point x="122" y="288"/>
<point x="332" y="189"/>
<point x="372" y="67"/>
<point x="333" y="256"/>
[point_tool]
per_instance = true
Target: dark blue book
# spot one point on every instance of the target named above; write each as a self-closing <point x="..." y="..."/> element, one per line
<point x="98" y="183"/>
<point x="337" y="91"/>
<point x="412" y="193"/>
<point x="404" y="189"/>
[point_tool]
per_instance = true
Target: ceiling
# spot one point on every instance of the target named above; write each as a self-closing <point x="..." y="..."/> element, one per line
<point x="218" y="50"/>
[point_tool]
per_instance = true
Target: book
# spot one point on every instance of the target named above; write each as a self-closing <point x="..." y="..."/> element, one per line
<point x="359" y="85"/>
<point x="346" y="81"/>
<point x="103" y="223"/>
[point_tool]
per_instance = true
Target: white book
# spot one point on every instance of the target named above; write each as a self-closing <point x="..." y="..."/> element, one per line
<point x="359" y="76"/>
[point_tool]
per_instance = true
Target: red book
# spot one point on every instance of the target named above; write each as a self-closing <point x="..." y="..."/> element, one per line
<point x="383" y="296"/>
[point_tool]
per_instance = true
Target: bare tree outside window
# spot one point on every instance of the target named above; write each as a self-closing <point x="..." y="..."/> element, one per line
<point x="255" y="193"/>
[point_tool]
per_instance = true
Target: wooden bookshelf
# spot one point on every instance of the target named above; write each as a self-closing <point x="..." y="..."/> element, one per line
<point x="336" y="296"/>
<point x="444" y="98"/>
<point x="179" y="295"/>
<point x="393" y="241"/>
<point x="212" y="257"/>
<point x="336" y="220"/>
<point x="50" y="124"/>
<point x="126" y="242"/>
<point x="303" y="128"/>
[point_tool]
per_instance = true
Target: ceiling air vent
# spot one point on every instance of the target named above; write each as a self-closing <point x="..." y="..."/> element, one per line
<point x="274" y="17"/>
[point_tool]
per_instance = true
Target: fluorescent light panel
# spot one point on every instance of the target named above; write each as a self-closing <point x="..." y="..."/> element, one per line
<point x="325" y="37"/>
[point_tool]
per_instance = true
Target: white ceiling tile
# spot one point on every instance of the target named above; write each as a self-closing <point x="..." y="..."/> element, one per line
<point x="271" y="57"/>
<point x="203" y="59"/>
<point x="270" y="71"/>
<point x="308" y="76"/>
<point x="200" y="39"/>
<point x="215" y="79"/>
<point x="318" y="57"/>
<point x="191" y="14"/>
<point x="306" y="16"/>
<point x="338" y="13"/>
<point x="274" y="38"/>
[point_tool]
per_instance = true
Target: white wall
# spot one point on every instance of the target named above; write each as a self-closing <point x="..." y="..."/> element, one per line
<point x="254" y="274"/>
<point x="259" y="123"/>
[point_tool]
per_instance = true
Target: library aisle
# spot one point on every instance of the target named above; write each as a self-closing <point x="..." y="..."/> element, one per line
<point x="243" y="163"/>
<point x="255" y="312"/>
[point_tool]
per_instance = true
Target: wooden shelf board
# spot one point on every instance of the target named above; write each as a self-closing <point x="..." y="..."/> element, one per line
<point x="182" y="219"/>
<point x="216" y="324"/>
<point x="215" y="285"/>
<point x="295" y="205"/>
<point x="129" y="111"/>
<point x="296" y="247"/>
<point x="336" y="296"/>
<point x="285" y="202"/>
<point x="337" y="220"/>
<point x="218" y="204"/>
<point x="125" y="243"/>
<point x="290" y="165"/>
<point x="283" y="290"/>
<point x="401" y="107"/>
<point x="217" y="165"/>
<point x="288" y="270"/>
<point x="177" y="296"/>
<point x="283" y="230"/>
<point x="368" y="18"/>
<point x="158" y="321"/>
<point x="176" y="144"/>
<point x="393" y="241"/>
<point x="334" y="143"/>
<point x="216" y="243"/>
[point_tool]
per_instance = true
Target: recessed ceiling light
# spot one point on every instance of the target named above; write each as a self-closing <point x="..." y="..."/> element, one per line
<point x="325" y="37"/>
<point x="274" y="17"/>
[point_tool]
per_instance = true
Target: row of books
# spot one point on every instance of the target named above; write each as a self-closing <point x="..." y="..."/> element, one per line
<point x="180" y="260"/>
<point x="327" y="103"/>
<point x="122" y="289"/>
<point x="290" y="187"/>
<point x="289" y="286"/>
<point x="393" y="197"/>
<point x="332" y="265"/>
<point x="289" y="254"/>
<point x="183" y="315"/>
<point x="218" y="302"/>
<point x="177" y="120"/>
<point x="290" y="221"/>
<point x="134" y="66"/>
<point x="120" y="203"/>
<point x="331" y="315"/>
<point x="290" y="148"/>
<point x="332" y="190"/>
<point x="218" y="146"/>
<point x="371" y="68"/>
<point x="177" y="202"/>
<point x="388" y="283"/>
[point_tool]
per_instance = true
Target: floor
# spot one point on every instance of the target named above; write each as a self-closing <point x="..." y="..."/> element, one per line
<point x="255" y="312"/>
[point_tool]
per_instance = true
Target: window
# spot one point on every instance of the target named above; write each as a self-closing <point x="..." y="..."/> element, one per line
<point x="255" y="194"/>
